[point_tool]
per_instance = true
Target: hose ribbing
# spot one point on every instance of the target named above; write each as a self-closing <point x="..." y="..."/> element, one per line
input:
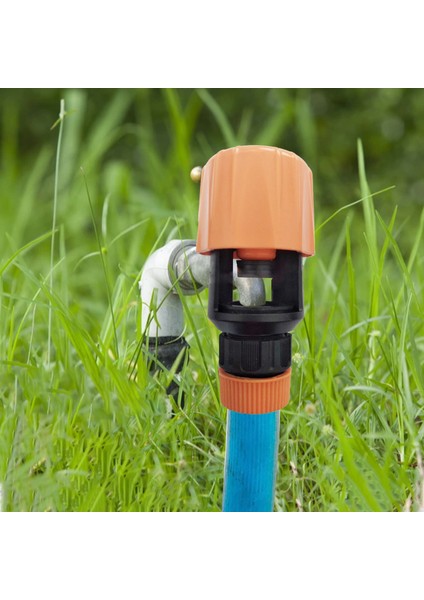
<point x="251" y="461"/>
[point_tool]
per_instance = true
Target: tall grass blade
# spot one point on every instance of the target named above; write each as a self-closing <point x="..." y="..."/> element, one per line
<point x="55" y="199"/>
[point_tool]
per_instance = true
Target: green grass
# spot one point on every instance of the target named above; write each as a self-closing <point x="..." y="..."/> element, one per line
<point x="79" y="433"/>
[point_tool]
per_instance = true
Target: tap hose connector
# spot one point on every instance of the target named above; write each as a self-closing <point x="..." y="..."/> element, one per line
<point x="256" y="206"/>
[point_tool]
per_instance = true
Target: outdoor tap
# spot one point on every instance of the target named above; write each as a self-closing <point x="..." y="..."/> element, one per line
<point x="177" y="266"/>
<point x="192" y="268"/>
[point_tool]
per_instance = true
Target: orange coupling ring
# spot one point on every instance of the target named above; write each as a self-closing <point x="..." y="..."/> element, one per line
<point x="256" y="198"/>
<point x="254" y="396"/>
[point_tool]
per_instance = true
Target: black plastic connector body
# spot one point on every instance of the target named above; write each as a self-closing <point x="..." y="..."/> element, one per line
<point x="165" y="351"/>
<point x="255" y="356"/>
<point x="279" y="315"/>
<point x="255" y="341"/>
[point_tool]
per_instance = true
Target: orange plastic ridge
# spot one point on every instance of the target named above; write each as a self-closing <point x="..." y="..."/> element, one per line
<point x="254" y="396"/>
<point x="256" y="254"/>
<point x="256" y="198"/>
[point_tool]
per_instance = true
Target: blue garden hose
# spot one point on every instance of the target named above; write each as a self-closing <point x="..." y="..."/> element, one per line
<point x="251" y="461"/>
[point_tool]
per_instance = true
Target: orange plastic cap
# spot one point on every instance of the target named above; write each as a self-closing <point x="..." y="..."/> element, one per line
<point x="256" y="198"/>
<point x="254" y="396"/>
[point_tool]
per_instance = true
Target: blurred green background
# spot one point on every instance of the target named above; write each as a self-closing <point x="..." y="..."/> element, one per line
<point x="139" y="145"/>
<point x="74" y="418"/>
<point x="320" y="125"/>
